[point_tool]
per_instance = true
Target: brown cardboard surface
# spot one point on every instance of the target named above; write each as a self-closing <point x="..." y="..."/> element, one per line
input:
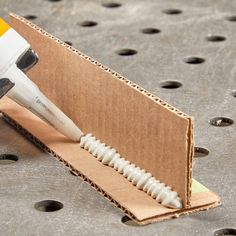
<point x="135" y="203"/>
<point x="120" y="113"/>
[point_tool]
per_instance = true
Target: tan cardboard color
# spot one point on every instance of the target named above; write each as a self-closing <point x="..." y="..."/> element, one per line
<point x="137" y="124"/>
<point x="123" y="115"/>
<point x="135" y="203"/>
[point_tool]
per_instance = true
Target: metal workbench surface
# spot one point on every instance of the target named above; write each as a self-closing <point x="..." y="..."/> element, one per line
<point x="182" y="51"/>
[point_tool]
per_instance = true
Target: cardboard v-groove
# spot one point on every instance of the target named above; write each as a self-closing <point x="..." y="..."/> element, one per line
<point x="144" y="129"/>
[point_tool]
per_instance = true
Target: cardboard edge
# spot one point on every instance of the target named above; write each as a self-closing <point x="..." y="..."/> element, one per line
<point x="183" y="212"/>
<point x="190" y="161"/>
<point x="103" y="67"/>
<point x="158" y="218"/>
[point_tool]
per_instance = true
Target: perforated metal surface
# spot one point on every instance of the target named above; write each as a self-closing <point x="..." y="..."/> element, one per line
<point x="159" y="56"/>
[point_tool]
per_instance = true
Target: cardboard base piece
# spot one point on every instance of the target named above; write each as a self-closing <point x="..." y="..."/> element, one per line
<point x="133" y="202"/>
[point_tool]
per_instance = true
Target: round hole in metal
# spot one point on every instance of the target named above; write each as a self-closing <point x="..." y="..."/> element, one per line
<point x="88" y="23"/>
<point x="194" y="60"/>
<point x="48" y="205"/>
<point x="127" y="221"/>
<point x="172" y="11"/>
<point x="150" y="31"/>
<point x="234" y="93"/>
<point x="126" y="52"/>
<point x="169" y="84"/>
<point x="221" y="121"/>
<point x="6" y="159"/>
<point x="30" y="17"/>
<point x="200" y="152"/>
<point x="111" y="4"/>
<point x="231" y="18"/>
<point x="226" y="231"/>
<point x="215" y="38"/>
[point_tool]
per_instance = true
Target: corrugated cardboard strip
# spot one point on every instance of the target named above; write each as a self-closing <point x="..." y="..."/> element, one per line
<point x="145" y="130"/>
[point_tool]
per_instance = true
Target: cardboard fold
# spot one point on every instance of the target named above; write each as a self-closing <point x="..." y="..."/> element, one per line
<point x="123" y="115"/>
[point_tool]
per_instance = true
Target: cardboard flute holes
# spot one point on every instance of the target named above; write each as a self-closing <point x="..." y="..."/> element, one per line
<point x="87" y="23"/>
<point x="30" y="17"/>
<point x="73" y="173"/>
<point x="158" y="100"/>
<point x="226" y="231"/>
<point x="85" y="57"/>
<point x="142" y="90"/>
<point x="111" y="4"/>
<point x="148" y="94"/>
<point x="48" y="206"/>
<point x="92" y="60"/>
<point x="200" y="152"/>
<point x="194" y="60"/>
<point x="68" y="43"/>
<point x="221" y="121"/>
<point x="162" y="103"/>
<point x="169" y="84"/>
<point x="122" y="78"/>
<point x="127" y="221"/>
<point x="134" y="86"/>
<point x="53" y="0"/>
<point x="114" y="73"/>
<point x="99" y="64"/>
<point x="150" y="31"/>
<point x="172" y="11"/>
<point x="51" y="37"/>
<point x="231" y="18"/>
<point x="6" y="159"/>
<point x="126" y="52"/>
<point x="215" y="38"/>
<point x="180" y="113"/>
<point x="170" y="107"/>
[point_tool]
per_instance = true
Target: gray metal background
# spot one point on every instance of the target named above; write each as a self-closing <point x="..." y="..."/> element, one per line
<point x="206" y="93"/>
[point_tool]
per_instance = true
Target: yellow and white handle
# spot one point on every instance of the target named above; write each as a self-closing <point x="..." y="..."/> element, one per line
<point x="12" y="46"/>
